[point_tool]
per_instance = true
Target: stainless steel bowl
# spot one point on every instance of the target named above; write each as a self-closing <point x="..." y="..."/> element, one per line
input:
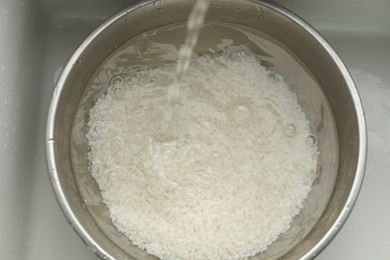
<point x="315" y="73"/>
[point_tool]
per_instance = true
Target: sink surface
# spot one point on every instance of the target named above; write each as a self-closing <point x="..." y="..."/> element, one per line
<point x="38" y="36"/>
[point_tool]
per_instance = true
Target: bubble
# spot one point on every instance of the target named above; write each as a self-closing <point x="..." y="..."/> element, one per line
<point x="159" y="9"/>
<point x="258" y="177"/>
<point x="239" y="110"/>
<point x="311" y="140"/>
<point x="161" y="188"/>
<point x="272" y="78"/>
<point x="118" y="92"/>
<point x="116" y="144"/>
<point x="215" y="154"/>
<point x="112" y="175"/>
<point x="290" y="130"/>
<point x="126" y="20"/>
<point x="96" y="128"/>
<point x="89" y="148"/>
<point x="238" y="9"/>
<point x="51" y="141"/>
<point x="117" y="80"/>
<point x="86" y="203"/>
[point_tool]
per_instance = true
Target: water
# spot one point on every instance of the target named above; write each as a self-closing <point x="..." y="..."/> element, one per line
<point x="230" y="132"/>
<point x="194" y="25"/>
<point x="164" y="46"/>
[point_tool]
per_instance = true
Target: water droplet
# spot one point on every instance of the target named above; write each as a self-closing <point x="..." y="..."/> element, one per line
<point x="53" y="175"/>
<point x="337" y="226"/>
<point x="272" y="78"/>
<point x="79" y="61"/>
<point x="238" y="9"/>
<point x="89" y="148"/>
<point x="87" y="202"/>
<point x="126" y="20"/>
<point x="311" y="140"/>
<point x="290" y="130"/>
<point x="159" y="9"/>
<point x="51" y="141"/>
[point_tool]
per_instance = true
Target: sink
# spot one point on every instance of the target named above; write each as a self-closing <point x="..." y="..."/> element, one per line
<point x="38" y="36"/>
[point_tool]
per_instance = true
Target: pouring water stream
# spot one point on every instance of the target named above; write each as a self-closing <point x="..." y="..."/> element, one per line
<point x="166" y="131"/>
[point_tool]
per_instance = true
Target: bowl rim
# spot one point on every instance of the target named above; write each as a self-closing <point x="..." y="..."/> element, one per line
<point x="362" y="131"/>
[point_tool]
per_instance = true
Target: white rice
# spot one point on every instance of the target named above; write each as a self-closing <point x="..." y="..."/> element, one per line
<point x="226" y="178"/>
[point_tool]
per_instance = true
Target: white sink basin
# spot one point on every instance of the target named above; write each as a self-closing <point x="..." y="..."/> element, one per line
<point x="36" y="39"/>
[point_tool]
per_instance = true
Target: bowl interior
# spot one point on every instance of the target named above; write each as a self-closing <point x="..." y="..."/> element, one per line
<point x="132" y="40"/>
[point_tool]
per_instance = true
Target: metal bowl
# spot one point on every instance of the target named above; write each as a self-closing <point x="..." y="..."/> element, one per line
<point x="316" y="74"/>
